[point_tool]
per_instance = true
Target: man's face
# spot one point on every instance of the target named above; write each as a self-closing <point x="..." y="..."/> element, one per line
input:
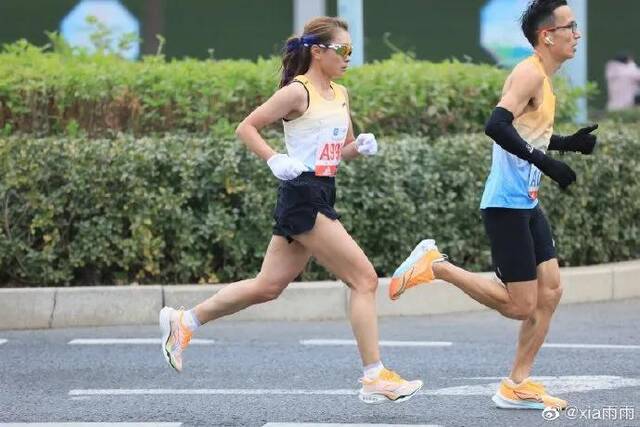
<point x="562" y="38"/>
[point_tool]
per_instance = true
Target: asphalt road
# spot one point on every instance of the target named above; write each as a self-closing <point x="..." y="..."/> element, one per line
<point x="256" y="373"/>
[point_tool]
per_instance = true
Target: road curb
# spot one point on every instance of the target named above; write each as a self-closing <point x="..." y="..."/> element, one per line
<point x="106" y="306"/>
<point x="26" y="308"/>
<point x="38" y="308"/>
<point x="626" y="279"/>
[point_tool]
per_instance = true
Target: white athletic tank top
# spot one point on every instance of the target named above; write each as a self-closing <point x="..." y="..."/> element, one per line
<point x="316" y="138"/>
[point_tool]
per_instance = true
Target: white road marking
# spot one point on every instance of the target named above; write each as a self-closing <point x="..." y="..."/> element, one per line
<point x="331" y="342"/>
<point x="2" y="341"/>
<point x="199" y="391"/>
<point x="131" y="341"/>
<point x="82" y="424"/>
<point x="555" y="385"/>
<point x="603" y="346"/>
<point x="345" y="425"/>
<point x="565" y="384"/>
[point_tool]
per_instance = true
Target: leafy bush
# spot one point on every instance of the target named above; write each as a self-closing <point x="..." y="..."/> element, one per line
<point x="61" y="92"/>
<point x="630" y="115"/>
<point x="184" y="208"/>
<point x="406" y="96"/>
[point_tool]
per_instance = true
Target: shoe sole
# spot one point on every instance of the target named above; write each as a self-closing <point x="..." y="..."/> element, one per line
<point x="165" y="326"/>
<point x="376" y="398"/>
<point x="504" y="403"/>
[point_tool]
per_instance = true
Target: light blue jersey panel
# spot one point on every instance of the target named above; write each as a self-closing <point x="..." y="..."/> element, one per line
<point x="512" y="183"/>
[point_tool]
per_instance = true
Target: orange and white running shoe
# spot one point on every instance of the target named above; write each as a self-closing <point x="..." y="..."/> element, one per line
<point x="526" y="395"/>
<point x="175" y="336"/>
<point x="416" y="269"/>
<point x="388" y="387"/>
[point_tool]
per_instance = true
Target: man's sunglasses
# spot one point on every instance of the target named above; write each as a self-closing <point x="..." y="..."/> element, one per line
<point x="573" y="26"/>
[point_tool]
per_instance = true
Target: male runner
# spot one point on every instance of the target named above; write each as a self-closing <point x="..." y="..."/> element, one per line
<point x="522" y="247"/>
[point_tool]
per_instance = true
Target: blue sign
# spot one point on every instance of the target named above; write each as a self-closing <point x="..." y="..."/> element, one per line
<point x="500" y="32"/>
<point x="76" y="30"/>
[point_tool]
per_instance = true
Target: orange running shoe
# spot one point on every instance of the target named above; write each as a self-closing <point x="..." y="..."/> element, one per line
<point x="526" y="395"/>
<point x="175" y="336"/>
<point x="416" y="269"/>
<point x="388" y="387"/>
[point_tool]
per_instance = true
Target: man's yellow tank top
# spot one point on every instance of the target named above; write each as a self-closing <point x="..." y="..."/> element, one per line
<point x="513" y="182"/>
<point x="536" y="127"/>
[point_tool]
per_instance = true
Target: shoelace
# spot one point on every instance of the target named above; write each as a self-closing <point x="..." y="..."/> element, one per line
<point x="385" y="375"/>
<point x="389" y="375"/>
<point x="538" y="386"/>
<point x="444" y="258"/>
<point x="182" y="335"/>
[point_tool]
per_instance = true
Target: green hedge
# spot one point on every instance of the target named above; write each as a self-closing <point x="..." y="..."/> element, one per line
<point x="54" y="93"/>
<point x="183" y="208"/>
<point x="630" y="115"/>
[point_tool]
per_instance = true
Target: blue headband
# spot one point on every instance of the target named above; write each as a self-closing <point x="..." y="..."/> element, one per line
<point x="308" y="40"/>
<point x="297" y="43"/>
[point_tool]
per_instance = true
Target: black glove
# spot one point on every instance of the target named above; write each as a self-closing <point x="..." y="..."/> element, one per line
<point x="558" y="171"/>
<point x="581" y="141"/>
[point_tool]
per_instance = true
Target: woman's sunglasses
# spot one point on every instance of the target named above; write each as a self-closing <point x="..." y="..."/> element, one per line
<point x="343" y="50"/>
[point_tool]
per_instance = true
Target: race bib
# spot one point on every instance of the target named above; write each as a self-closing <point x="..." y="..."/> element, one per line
<point x="534" y="182"/>
<point x="329" y="154"/>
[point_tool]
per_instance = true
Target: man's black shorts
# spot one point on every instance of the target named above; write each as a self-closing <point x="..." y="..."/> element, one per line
<point x="520" y="240"/>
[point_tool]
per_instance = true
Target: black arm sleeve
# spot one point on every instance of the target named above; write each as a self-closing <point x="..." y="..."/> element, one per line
<point x="500" y="129"/>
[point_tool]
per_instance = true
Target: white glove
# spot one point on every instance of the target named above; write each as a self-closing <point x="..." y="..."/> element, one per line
<point x="366" y="144"/>
<point x="284" y="167"/>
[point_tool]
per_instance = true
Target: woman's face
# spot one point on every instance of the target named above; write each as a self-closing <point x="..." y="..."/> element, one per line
<point x="334" y="58"/>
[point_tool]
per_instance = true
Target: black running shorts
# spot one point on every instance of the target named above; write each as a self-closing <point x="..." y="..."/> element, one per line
<point x="520" y="240"/>
<point x="300" y="200"/>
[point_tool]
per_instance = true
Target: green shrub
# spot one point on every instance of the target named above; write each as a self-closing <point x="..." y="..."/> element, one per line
<point x="406" y="96"/>
<point x="183" y="208"/>
<point x="56" y="93"/>
<point x="630" y="115"/>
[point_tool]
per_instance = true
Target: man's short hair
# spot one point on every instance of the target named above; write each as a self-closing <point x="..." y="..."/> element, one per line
<point x="538" y="15"/>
